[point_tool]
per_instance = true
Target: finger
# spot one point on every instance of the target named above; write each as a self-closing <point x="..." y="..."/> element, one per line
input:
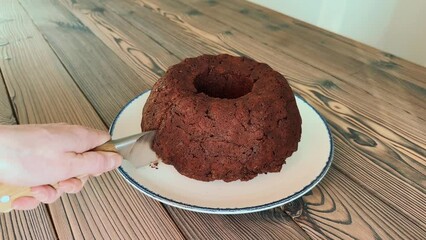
<point x="80" y="139"/>
<point x="90" y="163"/>
<point x="25" y="203"/>
<point x="72" y="185"/>
<point x="45" y="193"/>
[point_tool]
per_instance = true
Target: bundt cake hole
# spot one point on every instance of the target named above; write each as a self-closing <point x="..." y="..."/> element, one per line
<point x="223" y="85"/>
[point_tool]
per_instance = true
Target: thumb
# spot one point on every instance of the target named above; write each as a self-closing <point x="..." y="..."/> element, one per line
<point x="94" y="162"/>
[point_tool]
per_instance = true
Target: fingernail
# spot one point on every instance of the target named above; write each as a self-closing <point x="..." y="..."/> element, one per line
<point x="17" y="206"/>
<point x="25" y="203"/>
<point x="66" y="187"/>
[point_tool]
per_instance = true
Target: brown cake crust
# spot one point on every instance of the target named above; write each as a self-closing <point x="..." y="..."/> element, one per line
<point x="223" y="117"/>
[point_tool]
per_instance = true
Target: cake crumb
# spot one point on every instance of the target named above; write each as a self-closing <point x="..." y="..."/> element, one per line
<point x="154" y="164"/>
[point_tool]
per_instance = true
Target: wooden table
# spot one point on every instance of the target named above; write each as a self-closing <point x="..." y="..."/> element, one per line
<point x="80" y="61"/>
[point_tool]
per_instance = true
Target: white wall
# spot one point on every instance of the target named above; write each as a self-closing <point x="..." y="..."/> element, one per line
<point x="395" y="26"/>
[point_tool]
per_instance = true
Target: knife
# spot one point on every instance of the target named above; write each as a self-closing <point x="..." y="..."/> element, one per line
<point x="135" y="149"/>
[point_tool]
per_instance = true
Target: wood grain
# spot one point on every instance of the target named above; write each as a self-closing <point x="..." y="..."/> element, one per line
<point x="341" y="209"/>
<point x="177" y="40"/>
<point x="412" y="168"/>
<point x="125" y="40"/>
<point x="243" y="44"/>
<point x="47" y="94"/>
<point x="242" y="25"/>
<point x="373" y="101"/>
<point x="88" y="213"/>
<point x="34" y="224"/>
<point x="345" y="49"/>
<point x="127" y="56"/>
<point x="6" y="110"/>
<point x="18" y="225"/>
<point x="263" y="225"/>
<point x="297" y="44"/>
<point x="313" y="84"/>
<point x="32" y="91"/>
<point x="87" y="59"/>
<point x="307" y="42"/>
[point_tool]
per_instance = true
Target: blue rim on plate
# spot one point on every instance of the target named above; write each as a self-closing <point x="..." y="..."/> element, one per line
<point x="250" y="209"/>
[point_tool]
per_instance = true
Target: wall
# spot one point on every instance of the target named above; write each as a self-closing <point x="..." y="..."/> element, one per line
<point x="395" y="26"/>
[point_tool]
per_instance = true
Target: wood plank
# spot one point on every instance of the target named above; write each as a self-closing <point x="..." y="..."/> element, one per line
<point x="149" y="64"/>
<point x="99" y="23"/>
<point x="308" y="84"/>
<point x="240" y="31"/>
<point x="199" y="21"/>
<point x="135" y="215"/>
<point x="34" y="224"/>
<point x="92" y="62"/>
<point x="6" y="111"/>
<point x="261" y="225"/>
<point x="121" y="9"/>
<point x="198" y="18"/>
<point x="310" y="43"/>
<point x="46" y="94"/>
<point x="356" y="213"/>
<point x="395" y="142"/>
<point x="30" y="89"/>
<point x="371" y="57"/>
<point x="190" y="44"/>
<point x="377" y="181"/>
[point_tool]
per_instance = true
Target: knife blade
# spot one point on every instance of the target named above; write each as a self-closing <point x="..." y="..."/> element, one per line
<point x="137" y="149"/>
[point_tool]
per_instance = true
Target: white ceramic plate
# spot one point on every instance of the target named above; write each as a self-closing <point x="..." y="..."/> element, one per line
<point x="302" y="171"/>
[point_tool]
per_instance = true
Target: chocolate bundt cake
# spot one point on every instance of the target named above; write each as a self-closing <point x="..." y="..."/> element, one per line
<point x="223" y="117"/>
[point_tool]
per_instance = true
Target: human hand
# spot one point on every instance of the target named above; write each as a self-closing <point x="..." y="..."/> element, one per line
<point x="39" y="155"/>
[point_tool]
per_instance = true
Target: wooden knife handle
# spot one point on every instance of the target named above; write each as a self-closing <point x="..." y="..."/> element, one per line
<point x="106" y="147"/>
